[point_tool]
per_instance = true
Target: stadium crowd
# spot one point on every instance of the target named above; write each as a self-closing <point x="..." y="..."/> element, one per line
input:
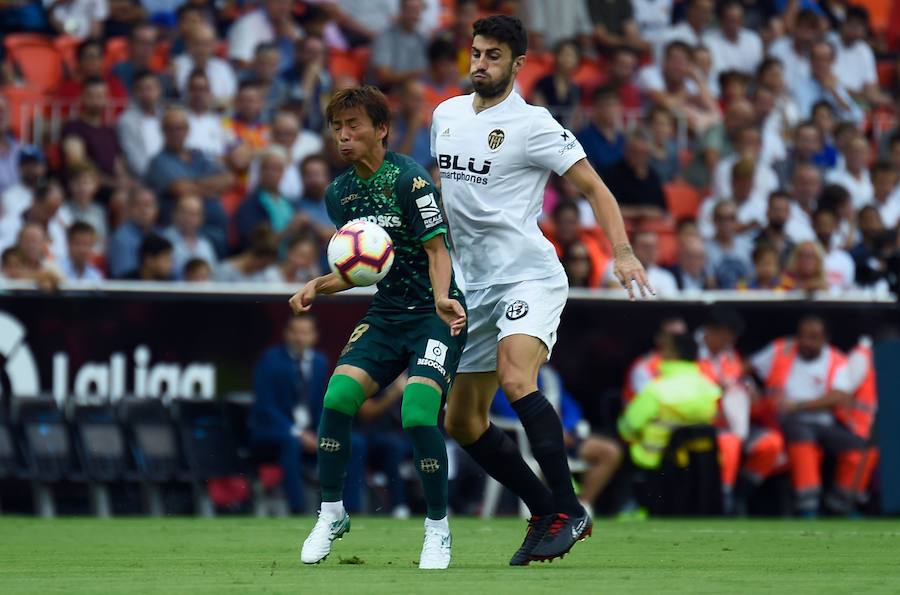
<point x="752" y="145"/>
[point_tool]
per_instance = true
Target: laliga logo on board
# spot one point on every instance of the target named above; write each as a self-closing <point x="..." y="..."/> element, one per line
<point x="20" y="376"/>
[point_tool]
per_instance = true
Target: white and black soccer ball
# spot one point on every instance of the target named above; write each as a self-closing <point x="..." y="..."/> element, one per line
<point x="361" y="252"/>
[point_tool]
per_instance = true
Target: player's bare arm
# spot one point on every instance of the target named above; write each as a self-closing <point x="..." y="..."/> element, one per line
<point x="627" y="267"/>
<point x="327" y="284"/>
<point x="440" y="270"/>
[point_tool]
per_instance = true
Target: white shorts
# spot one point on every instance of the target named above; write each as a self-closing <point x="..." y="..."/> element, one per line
<point x="530" y="307"/>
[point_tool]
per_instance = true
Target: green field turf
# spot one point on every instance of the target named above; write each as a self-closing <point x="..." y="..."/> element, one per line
<point x="240" y="555"/>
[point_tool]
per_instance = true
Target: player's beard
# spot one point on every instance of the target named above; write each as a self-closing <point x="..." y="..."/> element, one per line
<point x="489" y="90"/>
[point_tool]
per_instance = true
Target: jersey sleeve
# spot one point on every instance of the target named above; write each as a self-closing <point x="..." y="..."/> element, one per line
<point x="433" y="136"/>
<point x="333" y="206"/>
<point x="421" y="203"/>
<point x="551" y="146"/>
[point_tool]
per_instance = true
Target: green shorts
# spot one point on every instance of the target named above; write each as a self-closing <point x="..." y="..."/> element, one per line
<point x="384" y="346"/>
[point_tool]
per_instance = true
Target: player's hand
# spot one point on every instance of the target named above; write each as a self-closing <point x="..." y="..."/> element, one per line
<point x="629" y="269"/>
<point x="302" y="300"/>
<point x="451" y="312"/>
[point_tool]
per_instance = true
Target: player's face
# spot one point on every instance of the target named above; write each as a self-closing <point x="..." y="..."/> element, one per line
<point x="492" y="66"/>
<point x="355" y="135"/>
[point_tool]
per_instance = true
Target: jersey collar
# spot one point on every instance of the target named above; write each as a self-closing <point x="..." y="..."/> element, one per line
<point x="493" y="107"/>
<point x="374" y="176"/>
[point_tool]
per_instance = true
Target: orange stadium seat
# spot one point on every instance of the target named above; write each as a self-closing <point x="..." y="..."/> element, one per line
<point x="37" y="58"/>
<point x="682" y="200"/>
<point x="350" y="63"/>
<point x="116" y="51"/>
<point x="535" y="67"/>
<point x="879" y="13"/>
<point x="68" y="51"/>
<point x="21" y="100"/>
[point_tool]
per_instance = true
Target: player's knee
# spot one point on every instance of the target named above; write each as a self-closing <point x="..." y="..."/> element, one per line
<point x="421" y="405"/>
<point x="465" y="429"/>
<point x="516" y="385"/>
<point x="344" y="394"/>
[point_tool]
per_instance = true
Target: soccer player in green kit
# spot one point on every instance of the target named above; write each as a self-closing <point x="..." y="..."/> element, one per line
<point x="417" y="320"/>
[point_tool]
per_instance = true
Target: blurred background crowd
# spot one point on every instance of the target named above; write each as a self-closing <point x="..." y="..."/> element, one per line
<point x="752" y="144"/>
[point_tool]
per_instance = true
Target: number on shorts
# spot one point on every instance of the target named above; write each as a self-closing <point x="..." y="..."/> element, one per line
<point x="357" y="333"/>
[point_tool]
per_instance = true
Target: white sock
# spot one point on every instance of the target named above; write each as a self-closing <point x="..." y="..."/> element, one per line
<point x="333" y="509"/>
<point x="442" y="525"/>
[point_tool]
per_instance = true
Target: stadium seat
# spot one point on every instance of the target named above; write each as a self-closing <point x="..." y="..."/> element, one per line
<point x="154" y="447"/>
<point x="67" y="46"/>
<point x="682" y="200"/>
<point x="210" y="447"/>
<point x="349" y="63"/>
<point x="101" y="447"/>
<point x="47" y="449"/>
<point x="116" y="51"/>
<point x="22" y="104"/>
<point x="37" y="58"/>
<point x="535" y="67"/>
<point x="688" y="481"/>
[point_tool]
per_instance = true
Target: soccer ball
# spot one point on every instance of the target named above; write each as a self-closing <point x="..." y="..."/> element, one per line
<point x="361" y="252"/>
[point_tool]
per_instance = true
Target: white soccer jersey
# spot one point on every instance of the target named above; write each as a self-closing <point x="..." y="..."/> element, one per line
<point x="494" y="166"/>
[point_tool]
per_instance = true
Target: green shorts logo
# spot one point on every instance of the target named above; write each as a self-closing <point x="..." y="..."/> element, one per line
<point x="429" y="465"/>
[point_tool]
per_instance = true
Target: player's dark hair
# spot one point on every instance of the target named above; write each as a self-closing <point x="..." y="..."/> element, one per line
<point x="154" y="245"/>
<point x="79" y="227"/>
<point x="684" y="346"/>
<point x="505" y="29"/>
<point x="369" y="98"/>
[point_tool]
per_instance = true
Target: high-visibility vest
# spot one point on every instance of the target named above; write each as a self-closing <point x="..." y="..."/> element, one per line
<point x="859" y="414"/>
<point x="650" y="362"/>
<point x="681" y="396"/>
<point x="726" y="370"/>
<point x="786" y="353"/>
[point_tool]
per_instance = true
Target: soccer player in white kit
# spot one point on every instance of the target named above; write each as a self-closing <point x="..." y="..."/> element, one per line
<point x="495" y="153"/>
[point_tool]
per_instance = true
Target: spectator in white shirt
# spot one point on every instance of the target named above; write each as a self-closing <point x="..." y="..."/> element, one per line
<point x="747" y="146"/>
<point x="549" y="21"/>
<point x="771" y="76"/>
<point x="299" y="143"/>
<point x="854" y="63"/>
<point x="732" y="46"/>
<point x="751" y="205"/>
<point x="206" y="131"/>
<point x="652" y="17"/>
<point x="187" y="241"/>
<point x="84" y="184"/>
<point x="200" y="53"/>
<point x="272" y="23"/>
<point x="138" y="129"/>
<point x="822" y="84"/>
<point x="773" y="147"/>
<point x="886" y="193"/>
<point x="854" y="176"/>
<point x="78" y="18"/>
<point x="77" y="267"/>
<point x="690" y="31"/>
<point x="17" y="198"/>
<point x="840" y="272"/>
<point x="793" y="51"/>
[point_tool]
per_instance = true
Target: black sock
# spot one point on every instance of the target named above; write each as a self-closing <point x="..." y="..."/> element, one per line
<point x="545" y="434"/>
<point x="499" y="456"/>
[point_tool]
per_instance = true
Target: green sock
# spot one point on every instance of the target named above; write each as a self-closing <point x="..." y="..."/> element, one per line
<point x="334" y="453"/>
<point x="421" y="404"/>
<point x="343" y="398"/>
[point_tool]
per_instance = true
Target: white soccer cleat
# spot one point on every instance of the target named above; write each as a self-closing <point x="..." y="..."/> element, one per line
<point x="327" y="528"/>
<point x="436" y="549"/>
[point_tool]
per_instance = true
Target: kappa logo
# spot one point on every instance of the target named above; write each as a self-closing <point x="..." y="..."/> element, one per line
<point x="429" y="465"/>
<point x="329" y="445"/>
<point x="418" y="183"/>
<point x="429" y="210"/>
<point x="516" y="310"/>
<point x="496" y="138"/>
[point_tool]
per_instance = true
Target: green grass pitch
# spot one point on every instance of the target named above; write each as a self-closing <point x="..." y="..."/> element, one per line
<point x="241" y="555"/>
